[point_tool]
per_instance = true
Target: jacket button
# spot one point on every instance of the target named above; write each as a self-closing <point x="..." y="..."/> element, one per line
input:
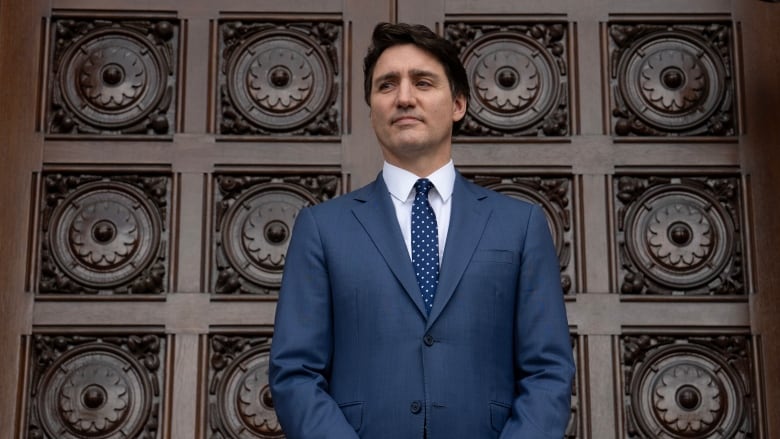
<point x="415" y="407"/>
<point x="428" y="340"/>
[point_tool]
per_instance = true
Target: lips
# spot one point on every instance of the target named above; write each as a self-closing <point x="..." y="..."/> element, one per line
<point x="406" y="118"/>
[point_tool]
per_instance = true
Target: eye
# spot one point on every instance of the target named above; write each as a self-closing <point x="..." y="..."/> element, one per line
<point x="383" y="86"/>
<point x="424" y="83"/>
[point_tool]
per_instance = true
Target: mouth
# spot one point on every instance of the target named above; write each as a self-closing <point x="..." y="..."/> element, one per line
<point x="405" y="120"/>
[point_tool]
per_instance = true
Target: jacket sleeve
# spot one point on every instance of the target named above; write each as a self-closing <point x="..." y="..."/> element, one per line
<point x="303" y="340"/>
<point x="544" y="367"/>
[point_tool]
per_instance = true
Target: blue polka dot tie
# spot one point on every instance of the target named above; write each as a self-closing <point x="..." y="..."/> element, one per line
<point x="425" y="243"/>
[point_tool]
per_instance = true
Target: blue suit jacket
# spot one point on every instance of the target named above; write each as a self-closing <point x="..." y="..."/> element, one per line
<point x="354" y="354"/>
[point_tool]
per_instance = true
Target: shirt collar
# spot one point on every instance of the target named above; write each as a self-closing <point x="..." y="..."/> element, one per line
<point x="400" y="182"/>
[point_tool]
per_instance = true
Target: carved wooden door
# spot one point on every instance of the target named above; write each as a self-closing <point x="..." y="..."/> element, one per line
<point x="156" y="154"/>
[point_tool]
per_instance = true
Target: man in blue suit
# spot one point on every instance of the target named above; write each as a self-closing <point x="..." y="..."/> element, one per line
<point x="368" y="342"/>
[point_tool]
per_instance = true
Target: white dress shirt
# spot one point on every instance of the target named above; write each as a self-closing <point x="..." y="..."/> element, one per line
<point x="400" y="183"/>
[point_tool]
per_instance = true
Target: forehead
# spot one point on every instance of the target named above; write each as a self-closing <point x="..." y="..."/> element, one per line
<point x="403" y="58"/>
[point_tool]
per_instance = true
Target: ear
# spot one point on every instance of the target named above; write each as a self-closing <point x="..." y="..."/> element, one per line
<point x="458" y="107"/>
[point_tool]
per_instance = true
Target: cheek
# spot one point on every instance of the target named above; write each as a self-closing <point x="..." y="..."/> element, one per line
<point x="375" y="112"/>
<point x="380" y="131"/>
<point x="372" y="117"/>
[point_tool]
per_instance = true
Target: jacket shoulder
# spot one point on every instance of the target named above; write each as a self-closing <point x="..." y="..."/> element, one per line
<point x="498" y="199"/>
<point x="344" y="202"/>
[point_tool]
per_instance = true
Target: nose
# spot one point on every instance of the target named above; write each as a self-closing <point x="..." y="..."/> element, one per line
<point x="405" y="96"/>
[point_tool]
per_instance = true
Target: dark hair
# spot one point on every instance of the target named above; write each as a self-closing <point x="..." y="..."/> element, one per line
<point x="388" y="34"/>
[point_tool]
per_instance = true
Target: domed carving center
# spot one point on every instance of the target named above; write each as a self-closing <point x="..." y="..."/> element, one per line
<point x="688" y="397"/>
<point x="507" y="78"/>
<point x="104" y="232"/>
<point x="113" y="74"/>
<point x="673" y="78"/>
<point x="276" y="232"/>
<point x="94" y="397"/>
<point x="680" y="234"/>
<point x="265" y="398"/>
<point x="280" y="77"/>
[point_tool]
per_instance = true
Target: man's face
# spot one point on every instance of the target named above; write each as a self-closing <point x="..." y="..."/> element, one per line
<point x="412" y="107"/>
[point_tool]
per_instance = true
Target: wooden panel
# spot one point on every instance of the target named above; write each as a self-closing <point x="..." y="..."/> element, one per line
<point x="112" y="76"/>
<point x="552" y="119"/>
<point x="671" y="79"/>
<point x="104" y="234"/>
<point x="239" y="399"/>
<point x="254" y="216"/>
<point x="84" y="384"/>
<point x="19" y="49"/>
<point x="679" y="235"/>
<point x="519" y="74"/>
<point x="278" y="79"/>
<point x="688" y="386"/>
<point x="761" y="155"/>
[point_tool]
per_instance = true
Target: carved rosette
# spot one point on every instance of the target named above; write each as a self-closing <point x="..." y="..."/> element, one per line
<point x="688" y="388"/>
<point x="518" y="77"/>
<point x="280" y="78"/>
<point x="240" y="403"/>
<point x="553" y="194"/>
<point x="672" y="80"/>
<point x="93" y="387"/>
<point x="679" y="235"/>
<point x="255" y="217"/>
<point x="113" y="77"/>
<point x="103" y="235"/>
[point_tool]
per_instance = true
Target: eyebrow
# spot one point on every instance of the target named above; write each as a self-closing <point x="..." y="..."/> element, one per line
<point x="414" y="73"/>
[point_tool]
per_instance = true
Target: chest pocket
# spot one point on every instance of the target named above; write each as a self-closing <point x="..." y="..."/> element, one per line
<point x="499" y="256"/>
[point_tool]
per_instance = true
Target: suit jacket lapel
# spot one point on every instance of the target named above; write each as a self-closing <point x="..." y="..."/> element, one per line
<point x="376" y="214"/>
<point x="467" y="222"/>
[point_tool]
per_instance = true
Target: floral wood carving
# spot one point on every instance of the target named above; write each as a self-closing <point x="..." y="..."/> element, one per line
<point x="519" y="78"/>
<point x="239" y="401"/>
<point x="688" y="387"/>
<point x="113" y="77"/>
<point x="553" y="194"/>
<point x="104" y="234"/>
<point x="96" y="387"/>
<point x="253" y="224"/>
<point x="679" y="236"/>
<point x="280" y="79"/>
<point x="672" y="80"/>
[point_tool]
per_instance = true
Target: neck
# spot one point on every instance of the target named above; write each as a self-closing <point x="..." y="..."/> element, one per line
<point x="421" y="166"/>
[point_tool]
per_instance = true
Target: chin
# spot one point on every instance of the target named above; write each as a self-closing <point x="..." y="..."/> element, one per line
<point x="412" y="146"/>
<point x="411" y="142"/>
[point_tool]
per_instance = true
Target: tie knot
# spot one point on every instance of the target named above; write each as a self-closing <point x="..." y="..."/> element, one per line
<point x="422" y="186"/>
